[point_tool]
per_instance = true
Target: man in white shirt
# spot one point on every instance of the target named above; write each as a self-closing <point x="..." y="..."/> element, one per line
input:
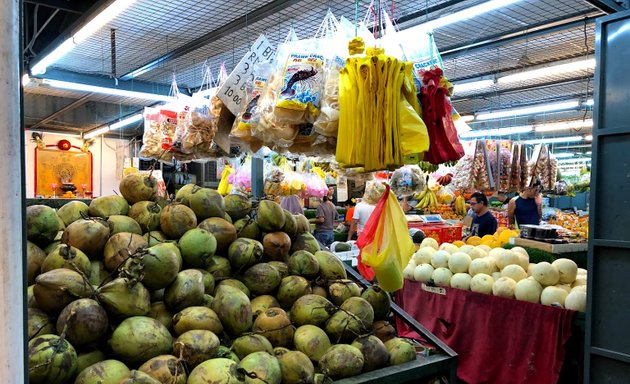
<point x="362" y="213"/>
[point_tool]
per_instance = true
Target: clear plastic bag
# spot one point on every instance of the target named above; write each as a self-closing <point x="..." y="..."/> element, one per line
<point x="203" y="125"/>
<point x="241" y="179"/>
<point x="406" y="181"/>
<point x="248" y="119"/>
<point x="151" y="138"/>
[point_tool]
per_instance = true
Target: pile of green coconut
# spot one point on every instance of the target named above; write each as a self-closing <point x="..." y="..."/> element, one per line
<point x="205" y="289"/>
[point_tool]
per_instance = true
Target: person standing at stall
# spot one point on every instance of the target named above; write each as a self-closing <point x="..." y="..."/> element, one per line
<point x="324" y="221"/>
<point x="526" y="208"/>
<point x="484" y="223"/>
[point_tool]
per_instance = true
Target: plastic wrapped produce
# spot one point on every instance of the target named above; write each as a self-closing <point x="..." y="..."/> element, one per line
<point x="407" y="180"/>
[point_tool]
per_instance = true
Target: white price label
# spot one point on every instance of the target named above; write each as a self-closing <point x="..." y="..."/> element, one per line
<point x="232" y="93"/>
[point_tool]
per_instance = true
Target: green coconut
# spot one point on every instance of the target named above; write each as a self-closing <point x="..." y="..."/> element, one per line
<point x="234" y="309"/>
<point x="303" y="225"/>
<point x="217" y="371"/>
<point x="248" y="344"/>
<point x="138" y="377"/>
<point x="206" y="202"/>
<point x="104" y="372"/>
<point x="137" y="187"/>
<point x="400" y="351"/>
<point x="161" y="264"/>
<point x="98" y="273"/>
<point x="223" y="231"/>
<point x="275" y="325"/>
<point x="197" y="246"/>
<point x="196" y="346"/>
<point x="125" y="297"/>
<point x="55" y="289"/>
<point x="176" y="219"/>
<point x="247" y="228"/>
<point x="85" y="359"/>
<point x="292" y="288"/>
<point x="224" y="352"/>
<point x="344" y="327"/>
<point x="290" y="224"/>
<point x="207" y="300"/>
<point x="312" y="309"/>
<point x="261" y="279"/>
<point x="72" y="211"/>
<point x="305" y="242"/>
<point x="119" y="223"/>
<point x="219" y="267"/>
<point x="42" y="224"/>
<point x="155" y="237"/>
<point x="361" y="309"/>
<point x="35" y="256"/>
<point x="51" y="360"/>
<point x="342" y="290"/>
<point x="119" y="247"/>
<point x="66" y="256"/>
<point x="270" y="216"/>
<point x="139" y="338"/>
<point x="303" y="263"/>
<point x="90" y="236"/>
<point x="296" y="367"/>
<point x="341" y="360"/>
<point x="383" y="330"/>
<point x="184" y="192"/>
<point x="236" y="284"/>
<point x="237" y="206"/>
<point x="380" y="301"/>
<point x="30" y="298"/>
<point x="161" y="313"/>
<point x="330" y="266"/>
<point x="84" y="322"/>
<point x="281" y="267"/>
<point x="208" y="281"/>
<point x="165" y="369"/>
<point x="263" y="302"/>
<point x="312" y="341"/>
<point x="264" y="366"/>
<point x="197" y="318"/>
<point x="375" y="354"/>
<point x="277" y="246"/>
<point x="106" y="206"/>
<point x="187" y="290"/>
<point x="146" y="214"/>
<point x="244" y="253"/>
<point x="39" y="323"/>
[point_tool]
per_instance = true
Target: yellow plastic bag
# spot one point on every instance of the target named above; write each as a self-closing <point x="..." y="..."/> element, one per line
<point x="224" y="185"/>
<point x="392" y="246"/>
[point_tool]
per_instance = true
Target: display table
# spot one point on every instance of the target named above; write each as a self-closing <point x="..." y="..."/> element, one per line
<point x="498" y="340"/>
<point x="551" y="248"/>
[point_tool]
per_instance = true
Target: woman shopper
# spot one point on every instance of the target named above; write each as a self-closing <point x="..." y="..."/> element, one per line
<point x="526" y="208"/>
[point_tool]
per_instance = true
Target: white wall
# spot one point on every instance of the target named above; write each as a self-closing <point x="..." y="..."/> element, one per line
<point x="108" y="159"/>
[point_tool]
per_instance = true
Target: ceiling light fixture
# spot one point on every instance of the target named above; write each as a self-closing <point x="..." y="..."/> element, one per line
<point x="105" y="16"/>
<point x="467" y="118"/>
<point x="558" y="69"/>
<point x="563" y="155"/>
<point x="105" y="90"/>
<point x="577" y="124"/>
<point x="472" y="85"/>
<point x="564" y="139"/>
<point x="589" y="102"/>
<point x="565" y="161"/>
<point x="588" y="137"/>
<point x="129" y="120"/>
<point x="542" y="108"/>
<point x="498" y="132"/>
<point x="96" y="132"/>
<point x="462" y="15"/>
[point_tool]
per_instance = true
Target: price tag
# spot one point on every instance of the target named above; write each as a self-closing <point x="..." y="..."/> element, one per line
<point x="232" y="93"/>
<point x="437" y="290"/>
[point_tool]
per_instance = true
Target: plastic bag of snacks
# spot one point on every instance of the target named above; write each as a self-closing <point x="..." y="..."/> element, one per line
<point x="293" y="183"/>
<point x="374" y="190"/>
<point x="249" y="117"/>
<point x="315" y="186"/>
<point x="151" y="139"/>
<point x="407" y="180"/>
<point x="241" y="180"/>
<point x="273" y="182"/>
<point x="203" y="125"/>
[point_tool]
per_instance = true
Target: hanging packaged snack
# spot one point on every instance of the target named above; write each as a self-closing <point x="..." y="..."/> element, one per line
<point x="407" y="180"/>
<point x="272" y="186"/>
<point x="505" y="164"/>
<point x="524" y="172"/>
<point x="535" y="165"/>
<point x="515" y="169"/>
<point x="482" y="174"/>
<point x="151" y="138"/>
<point x="203" y="125"/>
<point x="463" y="172"/>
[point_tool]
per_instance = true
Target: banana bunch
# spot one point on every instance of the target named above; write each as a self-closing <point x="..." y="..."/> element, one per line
<point x="427" y="199"/>
<point x="460" y="206"/>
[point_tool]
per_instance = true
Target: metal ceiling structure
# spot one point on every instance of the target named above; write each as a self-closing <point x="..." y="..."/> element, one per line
<point x="156" y="39"/>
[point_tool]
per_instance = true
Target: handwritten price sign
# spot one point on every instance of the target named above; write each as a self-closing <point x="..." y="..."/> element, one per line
<point x="232" y="93"/>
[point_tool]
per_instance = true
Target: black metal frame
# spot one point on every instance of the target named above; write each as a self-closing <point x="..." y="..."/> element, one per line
<point x="607" y="346"/>
<point x="608" y="6"/>
<point x="406" y="373"/>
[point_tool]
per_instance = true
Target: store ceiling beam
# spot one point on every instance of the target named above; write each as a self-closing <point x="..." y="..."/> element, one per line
<point x="548" y="84"/>
<point x="79" y="7"/>
<point x="60" y="112"/>
<point x="108" y="82"/>
<point x="608" y="6"/>
<point x="531" y="31"/>
<point x="225" y="30"/>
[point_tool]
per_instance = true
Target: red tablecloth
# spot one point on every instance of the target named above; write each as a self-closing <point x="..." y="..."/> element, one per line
<point x="498" y="340"/>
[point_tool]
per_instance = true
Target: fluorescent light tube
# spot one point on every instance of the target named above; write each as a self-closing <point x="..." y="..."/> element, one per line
<point x="472" y="85"/>
<point x="25" y="80"/>
<point x="106" y="90"/>
<point x="462" y="127"/>
<point x="76" y="135"/>
<point x="529" y="110"/>
<point x="130" y="120"/>
<point x="564" y="139"/>
<point x="467" y="118"/>
<point x="589" y="102"/>
<point x="115" y="9"/>
<point x="588" y="137"/>
<point x="563" y="155"/>
<point x="96" y="132"/>
<point x="498" y="132"/>
<point x="465" y="14"/>
<point x="581" y="65"/>
<point x="589" y="152"/>
<point x="52" y="57"/>
<point x="564" y="161"/>
<point x="564" y="125"/>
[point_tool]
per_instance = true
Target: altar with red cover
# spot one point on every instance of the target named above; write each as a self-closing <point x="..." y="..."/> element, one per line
<point x="498" y="340"/>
